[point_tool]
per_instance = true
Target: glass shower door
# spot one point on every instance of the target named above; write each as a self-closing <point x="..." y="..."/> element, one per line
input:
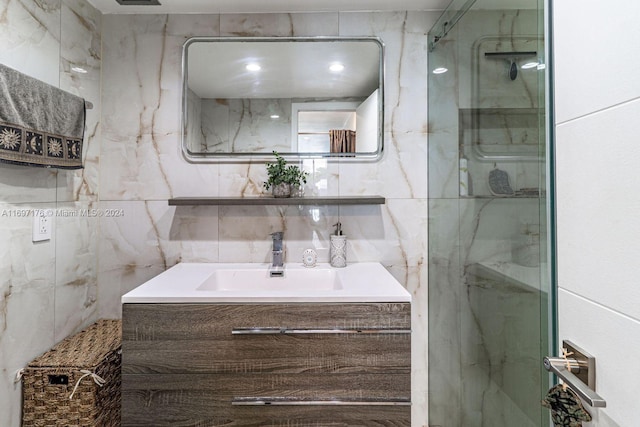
<point x="489" y="280"/>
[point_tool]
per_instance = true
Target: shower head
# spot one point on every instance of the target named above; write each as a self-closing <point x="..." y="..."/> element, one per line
<point x="511" y="57"/>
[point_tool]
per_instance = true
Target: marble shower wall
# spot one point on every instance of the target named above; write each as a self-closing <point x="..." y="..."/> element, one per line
<point x="505" y="111"/>
<point x="245" y="125"/>
<point x="48" y="290"/>
<point x="141" y="164"/>
<point x="485" y="329"/>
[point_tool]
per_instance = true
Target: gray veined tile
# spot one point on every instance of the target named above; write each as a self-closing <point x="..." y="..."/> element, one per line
<point x="279" y="24"/>
<point x="31" y="38"/>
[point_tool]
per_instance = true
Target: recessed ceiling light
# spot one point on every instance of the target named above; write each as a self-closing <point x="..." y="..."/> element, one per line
<point x="529" y="65"/>
<point x="440" y="70"/>
<point x="541" y="66"/>
<point x="79" y="70"/>
<point x="253" y="67"/>
<point x="275" y="116"/>
<point x="336" y="67"/>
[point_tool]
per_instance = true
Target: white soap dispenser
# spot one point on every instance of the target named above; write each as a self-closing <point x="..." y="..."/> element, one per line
<point x="338" y="248"/>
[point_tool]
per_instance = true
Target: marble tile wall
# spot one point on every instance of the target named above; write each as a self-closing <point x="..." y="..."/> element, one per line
<point x="48" y="290"/>
<point x="141" y="165"/>
<point x="499" y="317"/>
<point x="245" y="125"/>
<point x="489" y="86"/>
<point x="482" y="372"/>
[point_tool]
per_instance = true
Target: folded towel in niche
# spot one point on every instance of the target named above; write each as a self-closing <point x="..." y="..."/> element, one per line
<point x="40" y="125"/>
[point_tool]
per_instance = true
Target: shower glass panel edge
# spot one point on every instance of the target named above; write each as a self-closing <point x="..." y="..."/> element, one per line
<point x="491" y="287"/>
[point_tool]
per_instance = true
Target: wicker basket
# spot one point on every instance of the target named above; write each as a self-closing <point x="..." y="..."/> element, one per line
<point x="50" y="380"/>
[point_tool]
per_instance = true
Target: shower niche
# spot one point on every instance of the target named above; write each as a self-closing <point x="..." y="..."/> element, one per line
<point x="500" y="134"/>
<point x="499" y="122"/>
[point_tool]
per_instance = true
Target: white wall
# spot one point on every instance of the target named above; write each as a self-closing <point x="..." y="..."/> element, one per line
<point x="367" y="123"/>
<point x="597" y="99"/>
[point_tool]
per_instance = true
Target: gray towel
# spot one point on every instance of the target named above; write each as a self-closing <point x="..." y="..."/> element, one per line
<point x="40" y="125"/>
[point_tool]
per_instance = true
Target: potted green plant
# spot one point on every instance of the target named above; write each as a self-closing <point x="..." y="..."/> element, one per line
<point x="281" y="178"/>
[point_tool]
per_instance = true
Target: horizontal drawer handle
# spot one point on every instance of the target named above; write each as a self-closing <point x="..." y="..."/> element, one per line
<point x="283" y="401"/>
<point x="284" y="331"/>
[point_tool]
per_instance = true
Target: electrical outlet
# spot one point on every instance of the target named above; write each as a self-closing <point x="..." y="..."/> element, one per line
<point x="41" y="228"/>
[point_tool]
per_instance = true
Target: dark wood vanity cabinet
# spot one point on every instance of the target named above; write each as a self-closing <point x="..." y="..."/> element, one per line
<point x="266" y="364"/>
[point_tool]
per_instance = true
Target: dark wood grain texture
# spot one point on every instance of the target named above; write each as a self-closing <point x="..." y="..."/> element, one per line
<point x="154" y="337"/>
<point x="183" y="367"/>
<point x="150" y="322"/>
<point x="206" y="399"/>
<point x="271" y="354"/>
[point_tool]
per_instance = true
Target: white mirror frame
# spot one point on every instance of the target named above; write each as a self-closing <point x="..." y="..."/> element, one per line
<point x="239" y="157"/>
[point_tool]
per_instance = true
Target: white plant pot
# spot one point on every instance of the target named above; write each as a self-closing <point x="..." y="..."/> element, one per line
<point x="281" y="190"/>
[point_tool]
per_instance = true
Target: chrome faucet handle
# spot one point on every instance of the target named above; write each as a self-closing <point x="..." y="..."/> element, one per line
<point x="277" y="240"/>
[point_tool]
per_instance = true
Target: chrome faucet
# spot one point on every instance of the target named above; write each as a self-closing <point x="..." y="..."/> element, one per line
<point x="277" y="255"/>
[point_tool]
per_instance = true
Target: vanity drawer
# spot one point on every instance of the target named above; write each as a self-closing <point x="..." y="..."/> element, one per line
<point x="266" y="364"/>
<point x="295" y="338"/>
<point x="221" y="399"/>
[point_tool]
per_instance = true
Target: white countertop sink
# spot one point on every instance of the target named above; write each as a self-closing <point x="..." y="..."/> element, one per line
<point x="251" y="283"/>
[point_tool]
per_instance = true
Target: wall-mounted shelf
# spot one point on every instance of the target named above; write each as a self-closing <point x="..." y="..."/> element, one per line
<point x="272" y="201"/>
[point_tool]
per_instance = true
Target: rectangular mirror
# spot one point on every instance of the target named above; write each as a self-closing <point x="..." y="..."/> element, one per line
<point x="304" y="97"/>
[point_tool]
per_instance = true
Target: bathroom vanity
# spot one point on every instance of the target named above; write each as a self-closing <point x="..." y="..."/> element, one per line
<point x="321" y="347"/>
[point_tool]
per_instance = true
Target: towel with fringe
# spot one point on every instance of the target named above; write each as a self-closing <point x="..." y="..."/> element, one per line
<point x="40" y="125"/>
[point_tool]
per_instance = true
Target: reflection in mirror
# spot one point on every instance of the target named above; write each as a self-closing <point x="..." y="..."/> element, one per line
<point x="244" y="98"/>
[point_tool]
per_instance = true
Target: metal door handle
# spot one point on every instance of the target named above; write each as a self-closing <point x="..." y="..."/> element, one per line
<point x="582" y="364"/>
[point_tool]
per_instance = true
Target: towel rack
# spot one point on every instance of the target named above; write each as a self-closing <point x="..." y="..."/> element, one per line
<point x="581" y="375"/>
